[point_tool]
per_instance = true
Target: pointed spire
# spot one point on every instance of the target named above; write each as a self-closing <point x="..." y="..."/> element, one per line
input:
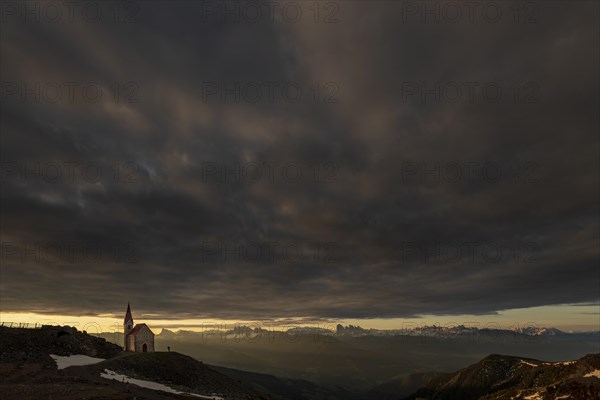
<point x="128" y="316"/>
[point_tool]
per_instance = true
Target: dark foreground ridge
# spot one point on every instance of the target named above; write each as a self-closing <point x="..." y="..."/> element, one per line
<point x="505" y="377"/>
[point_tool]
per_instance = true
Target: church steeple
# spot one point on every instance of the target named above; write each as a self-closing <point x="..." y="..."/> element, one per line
<point x="128" y="322"/>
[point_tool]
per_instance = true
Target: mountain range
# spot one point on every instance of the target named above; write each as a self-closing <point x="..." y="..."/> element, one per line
<point x="357" y="331"/>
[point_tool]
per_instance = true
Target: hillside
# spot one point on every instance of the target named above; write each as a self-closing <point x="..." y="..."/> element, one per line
<point x="175" y="370"/>
<point x="404" y="386"/>
<point x="20" y="345"/>
<point x="27" y="371"/>
<point x="505" y="377"/>
<point x="281" y="388"/>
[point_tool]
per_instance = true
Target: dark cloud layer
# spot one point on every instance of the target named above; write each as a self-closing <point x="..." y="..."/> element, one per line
<point x="395" y="214"/>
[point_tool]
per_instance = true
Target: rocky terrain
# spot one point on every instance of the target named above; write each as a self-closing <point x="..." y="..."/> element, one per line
<point x="499" y="377"/>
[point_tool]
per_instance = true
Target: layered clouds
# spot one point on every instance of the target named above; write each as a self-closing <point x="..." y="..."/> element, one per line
<point x="368" y="160"/>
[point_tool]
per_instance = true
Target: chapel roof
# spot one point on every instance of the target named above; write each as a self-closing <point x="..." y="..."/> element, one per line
<point x="137" y="328"/>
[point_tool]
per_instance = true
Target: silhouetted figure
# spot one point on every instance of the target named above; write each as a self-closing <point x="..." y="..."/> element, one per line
<point x="169" y="348"/>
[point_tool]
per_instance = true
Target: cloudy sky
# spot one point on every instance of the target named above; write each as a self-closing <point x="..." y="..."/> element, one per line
<point x="350" y="160"/>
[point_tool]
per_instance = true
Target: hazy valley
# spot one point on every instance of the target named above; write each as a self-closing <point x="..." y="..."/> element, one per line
<point x="361" y="360"/>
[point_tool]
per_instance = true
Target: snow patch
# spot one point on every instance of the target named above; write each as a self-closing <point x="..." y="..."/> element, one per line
<point x="593" y="374"/>
<point x="563" y="363"/>
<point x="564" y="396"/>
<point x="528" y="363"/>
<point x="108" y="374"/>
<point x="74" y="359"/>
<point x="535" y="396"/>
